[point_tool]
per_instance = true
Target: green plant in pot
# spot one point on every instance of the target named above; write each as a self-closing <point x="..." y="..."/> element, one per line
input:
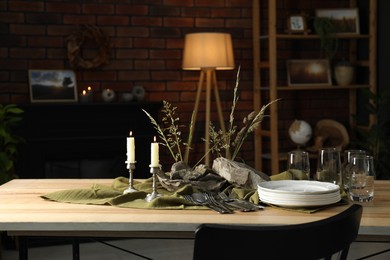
<point x="10" y="117"/>
<point x="376" y="138"/>
<point x="325" y="28"/>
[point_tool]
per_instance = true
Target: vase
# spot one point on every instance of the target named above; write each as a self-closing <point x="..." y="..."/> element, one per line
<point x="343" y="73"/>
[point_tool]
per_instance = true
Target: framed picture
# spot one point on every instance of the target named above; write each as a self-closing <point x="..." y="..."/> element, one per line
<point x="308" y="72"/>
<point x="52" y="86"/>
<point x="296" y="24"/>
<point x="345" y="21"/>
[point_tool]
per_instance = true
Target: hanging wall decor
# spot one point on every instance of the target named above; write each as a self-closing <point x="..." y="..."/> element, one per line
<point x="76" y="41"/>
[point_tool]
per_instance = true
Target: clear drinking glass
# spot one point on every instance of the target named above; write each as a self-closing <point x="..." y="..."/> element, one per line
<point x="329" y="166"/>
<point x="345" y="169"/>
<point x="298" y="164"/>
<point x="361" y="182"/>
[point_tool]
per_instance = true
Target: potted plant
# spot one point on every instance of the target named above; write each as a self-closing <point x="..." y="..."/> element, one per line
<point x="10" y="117"/>
<point x="325" y="28"/>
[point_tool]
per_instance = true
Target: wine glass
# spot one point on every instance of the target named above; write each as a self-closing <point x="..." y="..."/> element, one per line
<point x="345" y="169"/>
<point x="298" y="165"/>
<point x="329" y="165"/>
<point x="362" y="176"/>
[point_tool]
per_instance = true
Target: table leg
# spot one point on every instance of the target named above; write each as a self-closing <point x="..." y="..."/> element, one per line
<point x="23" y="248"/>
<point x="76" y="249"/>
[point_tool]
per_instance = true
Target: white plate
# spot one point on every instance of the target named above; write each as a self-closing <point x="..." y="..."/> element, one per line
<point x="300" y="203"/>
<point x="298" y="187"/>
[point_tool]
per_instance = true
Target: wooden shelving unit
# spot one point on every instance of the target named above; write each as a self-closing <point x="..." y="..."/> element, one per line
<point x="268" y="65"/>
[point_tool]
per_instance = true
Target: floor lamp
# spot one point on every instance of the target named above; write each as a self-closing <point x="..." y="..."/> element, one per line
<point x="208" y="52"/>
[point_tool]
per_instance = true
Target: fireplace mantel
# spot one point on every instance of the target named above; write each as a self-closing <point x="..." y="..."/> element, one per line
<point x="84" y="137"/>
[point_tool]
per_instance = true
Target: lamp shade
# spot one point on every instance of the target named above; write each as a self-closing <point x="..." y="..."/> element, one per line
<point x="208" y="50"/>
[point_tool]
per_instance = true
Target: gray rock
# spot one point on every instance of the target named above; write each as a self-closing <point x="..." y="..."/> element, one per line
<point x="239" y="173"/>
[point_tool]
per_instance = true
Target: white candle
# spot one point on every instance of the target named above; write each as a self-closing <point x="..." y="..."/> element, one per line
<point x="154" y="162"/>
<point x="130" y="149"/>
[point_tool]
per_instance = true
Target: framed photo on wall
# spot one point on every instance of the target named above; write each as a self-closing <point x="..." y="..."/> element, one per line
<point x="52" y="86"/>
<point x="296" y="24"/>
<point x="344" y="20"/>
<point x="308" y="72"/>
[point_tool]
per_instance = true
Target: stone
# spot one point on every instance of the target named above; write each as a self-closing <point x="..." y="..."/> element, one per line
<point x="239" y="173"/>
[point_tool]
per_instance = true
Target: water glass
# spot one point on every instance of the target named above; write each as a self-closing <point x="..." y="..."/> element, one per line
<point x="345" y="168"/>
<point x="298" y="165"/>
<point x="361" y="182"/>
<point x="329" y="166"/>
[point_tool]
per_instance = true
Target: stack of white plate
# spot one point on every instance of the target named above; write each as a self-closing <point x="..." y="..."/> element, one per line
<point x="292" y="193"/>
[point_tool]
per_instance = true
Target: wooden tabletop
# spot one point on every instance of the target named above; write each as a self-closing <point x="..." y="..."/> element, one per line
<point x="23" y="212"/>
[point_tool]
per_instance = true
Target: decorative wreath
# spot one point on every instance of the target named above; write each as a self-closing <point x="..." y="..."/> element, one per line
<point x="75" y="42"/>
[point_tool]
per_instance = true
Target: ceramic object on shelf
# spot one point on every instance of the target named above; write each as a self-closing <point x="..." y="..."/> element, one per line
<point x="343" y="73"/>
<point x="108" y="95"/>
<point x="127" y="97"/>
<point x="138" y="92"/>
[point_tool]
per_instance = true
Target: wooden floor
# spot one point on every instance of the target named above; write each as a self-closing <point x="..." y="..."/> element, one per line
<point x="156" y="249"/>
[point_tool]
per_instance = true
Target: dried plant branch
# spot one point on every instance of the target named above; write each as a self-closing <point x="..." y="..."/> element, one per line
<point x="172" y="129"/>
<point x="160" y="132"/>
<point x="251" y="122"/>
<point x="190" y="136"/>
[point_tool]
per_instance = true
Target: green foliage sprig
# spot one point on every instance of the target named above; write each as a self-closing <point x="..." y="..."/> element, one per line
<point x="10" y="117"/>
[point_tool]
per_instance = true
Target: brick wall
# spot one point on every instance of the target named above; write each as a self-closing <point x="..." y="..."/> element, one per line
<point x="146" y="39"/>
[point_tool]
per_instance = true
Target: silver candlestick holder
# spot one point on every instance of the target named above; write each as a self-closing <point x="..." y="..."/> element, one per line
<point x="131" y="168"/>
<point x="153" y="170"/>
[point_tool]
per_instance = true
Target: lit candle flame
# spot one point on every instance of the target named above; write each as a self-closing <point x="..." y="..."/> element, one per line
<point x="154" y="139"/>
<point x="84" y="92"/>
<point x="89" y="88"/>
<point x="131" y="133"/>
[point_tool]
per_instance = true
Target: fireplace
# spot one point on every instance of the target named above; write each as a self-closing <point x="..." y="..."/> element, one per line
<point x="84" y="140"/>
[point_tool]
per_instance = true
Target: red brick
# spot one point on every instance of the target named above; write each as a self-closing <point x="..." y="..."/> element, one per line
<point x="120" y="65"/>
<point x="132" y="9"/>
<point x="165" y="32"/>
<point x="11" y="17"/>
<point x="113" y="20"/>
<point x="98" y="8"/>
<point x="134" y="75"/>
<point x="44" y="41"/>
<point x="79" y="19"/>
<point x="238" y="23"/>
<point x="146" y="21"/>
<point x="123" y="42"/>
<point x="165" y="54"/>
<point x="208" y="3"/>
<point x="63" y="30"/>
<point x="133" y="31"/>
<point x="149" y="64"/>
<point x="132" y="54"/>
<point x="63" y="8"/>
<point x="99" y="75"/>
<point x="149" y="43"/>
<point x="226" y="12"/>
<point x="57" y="53"/>
<point x="196" y="12"/>
<point x="159" y="96"/>
<point x="175" y="43"/>
<point x="178" y="22"/>
<point x="181" y="86"/>
<point x="207" y="22"/>
<point x="179" y="2"/>
<point x="46" y="64"/>
<point x="43" y="18"/>
<point x="27" y="29"/>
<point x="164" y="11"/>
<point x="165" y="75"/>
<point x="26" y="6"/>
<point x="27" y="53"/>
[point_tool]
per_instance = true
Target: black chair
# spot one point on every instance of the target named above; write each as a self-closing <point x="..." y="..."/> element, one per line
<point x="314" y="240"/>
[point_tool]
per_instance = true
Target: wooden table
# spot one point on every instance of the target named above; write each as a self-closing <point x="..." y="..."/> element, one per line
<point x="24" y="213"/>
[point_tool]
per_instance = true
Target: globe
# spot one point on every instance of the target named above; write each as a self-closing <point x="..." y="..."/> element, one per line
<point x="300" y="132"/>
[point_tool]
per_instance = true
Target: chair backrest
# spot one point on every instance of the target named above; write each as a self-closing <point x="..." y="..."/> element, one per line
<point x="313" y="240"/>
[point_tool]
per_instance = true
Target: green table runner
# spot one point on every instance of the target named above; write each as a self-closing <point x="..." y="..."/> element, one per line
<point x="113" y="195"/>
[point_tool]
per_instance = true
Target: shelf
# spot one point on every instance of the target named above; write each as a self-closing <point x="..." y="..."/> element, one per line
<point x="272" y="45"/>
<point x="314" y="36"/>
